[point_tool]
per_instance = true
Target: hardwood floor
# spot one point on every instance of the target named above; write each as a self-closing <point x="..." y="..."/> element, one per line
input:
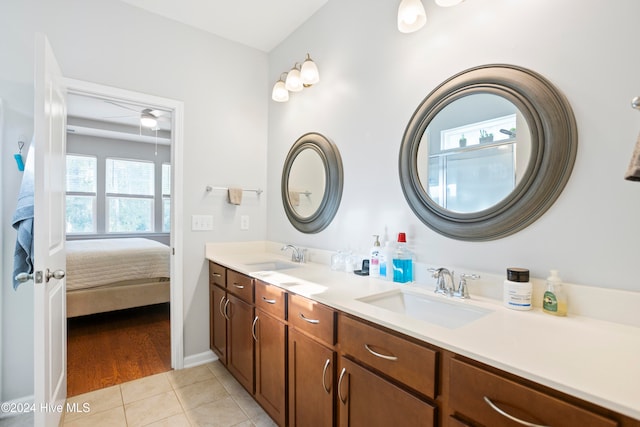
<point x="112" y="348"/>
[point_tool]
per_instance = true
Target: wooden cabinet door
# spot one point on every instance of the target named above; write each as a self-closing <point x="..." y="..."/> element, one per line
<point x="240" y="341"/>
<point x="270" y="341"/>
<point x="218" y="323"/>
<point x="311" y="382"/>
<point x="365" y="399"/>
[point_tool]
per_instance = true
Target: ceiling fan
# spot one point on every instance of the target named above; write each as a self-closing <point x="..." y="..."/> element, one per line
<point x="149" y="118"/>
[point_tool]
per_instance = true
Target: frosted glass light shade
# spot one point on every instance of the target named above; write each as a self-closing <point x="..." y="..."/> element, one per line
<point x="411" y="16"/>
<point x="309" y="72"/>
<point x="280" y="92"/>
<point x="293" y="83"/>
<point x="448" y="3"/>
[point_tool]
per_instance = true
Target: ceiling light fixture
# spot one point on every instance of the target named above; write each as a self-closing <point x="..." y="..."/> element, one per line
<point x="411" y="16"/>
<point x="296" y="79"/>
<point x="147" y="119"/>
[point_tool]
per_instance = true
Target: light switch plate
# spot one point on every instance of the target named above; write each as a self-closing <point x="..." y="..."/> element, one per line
<point x="201" y="222"/>
<point x="244" y="222"/>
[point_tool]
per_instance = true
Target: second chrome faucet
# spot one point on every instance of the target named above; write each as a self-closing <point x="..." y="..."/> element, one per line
<point x="297" y="254"/>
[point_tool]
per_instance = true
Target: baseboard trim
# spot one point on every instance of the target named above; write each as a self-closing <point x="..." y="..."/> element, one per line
<point x="199" y="359"/>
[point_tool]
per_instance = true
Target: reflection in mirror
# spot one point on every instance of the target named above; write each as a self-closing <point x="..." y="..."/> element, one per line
<point x="306" y="182"/>
<point x="473" y="153"/>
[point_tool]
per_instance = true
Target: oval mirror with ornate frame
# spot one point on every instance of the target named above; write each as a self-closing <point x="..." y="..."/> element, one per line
<point x="450" y="183"/>
<point x="312" y="179"/>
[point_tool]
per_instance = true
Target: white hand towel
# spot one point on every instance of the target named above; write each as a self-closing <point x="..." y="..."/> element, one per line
<point x="235" y="196"/>
<point x="633" y="172"/>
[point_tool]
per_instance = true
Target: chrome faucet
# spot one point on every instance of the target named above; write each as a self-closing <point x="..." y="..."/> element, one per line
<point x="297" y="254"/>
<point x="442" y="285"/>
<point x="448" y="287"/>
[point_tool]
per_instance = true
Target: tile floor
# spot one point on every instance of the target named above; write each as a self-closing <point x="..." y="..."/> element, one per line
<point x="205" y="395"/>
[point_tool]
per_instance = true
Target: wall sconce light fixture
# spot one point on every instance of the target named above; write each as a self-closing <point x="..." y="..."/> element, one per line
<point x="296" y="79"/>
<point x="411" y="14"/>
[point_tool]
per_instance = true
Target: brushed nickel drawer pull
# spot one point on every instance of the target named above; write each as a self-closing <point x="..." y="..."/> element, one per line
<point x="511" y="417"/>
<point x="344" y="401"/>
<point x="217" y="275"/>
<point x="226" y="309"/>
<point x="253" y="329"/>
<point x="220" y="306"/>
<point x="238" y="286"/>
<point x="313" y="321"/>
<point x="268" y="301"/>
<point x="324" y="374"/>
<point x="382" y="356"/>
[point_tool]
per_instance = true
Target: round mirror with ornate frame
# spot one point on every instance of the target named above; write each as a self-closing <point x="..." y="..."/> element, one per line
<point x="312" y="179"/>
<point x="487" y="152"/>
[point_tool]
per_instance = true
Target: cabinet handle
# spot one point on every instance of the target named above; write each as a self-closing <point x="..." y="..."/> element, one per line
<point x="238" y="286"/>
<point x="222" y="300"/>
<point x="344" y="401"/>
<point x="268" y="301"/>
<point x="217" y="275"/>
<point x="382" y="356"/>
<point x="253" y="329"/>
<point x="313" y="321"/>
<point x="226" y="309"/>
<point x="511" y="417"/>
<point x="324" y="374"/>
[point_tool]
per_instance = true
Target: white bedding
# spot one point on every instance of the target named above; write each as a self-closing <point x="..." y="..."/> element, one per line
<point x="92" y="263"/>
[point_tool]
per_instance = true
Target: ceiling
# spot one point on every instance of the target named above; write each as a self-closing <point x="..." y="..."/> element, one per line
<point x="255" y="23"/>
<point x="261" y="24"/>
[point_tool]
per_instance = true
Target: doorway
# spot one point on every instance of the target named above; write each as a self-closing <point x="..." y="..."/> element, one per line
<point x="125" y="105"/>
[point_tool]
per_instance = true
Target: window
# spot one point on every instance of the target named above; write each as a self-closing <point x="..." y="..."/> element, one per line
<point x="166" y="197"/>
<point x="81" y="194"/>
<point x="130" y="192"/>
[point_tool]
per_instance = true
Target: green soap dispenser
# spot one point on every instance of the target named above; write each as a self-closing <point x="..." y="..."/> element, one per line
<point x="554" y="300"/>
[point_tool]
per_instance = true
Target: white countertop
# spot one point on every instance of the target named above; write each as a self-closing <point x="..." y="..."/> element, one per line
<point x="594" y="360"/>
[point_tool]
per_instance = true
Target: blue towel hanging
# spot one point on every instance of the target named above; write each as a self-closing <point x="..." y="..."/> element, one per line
<point x="23" y="223"/>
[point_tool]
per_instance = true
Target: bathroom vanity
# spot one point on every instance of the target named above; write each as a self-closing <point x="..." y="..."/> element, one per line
<point x="319" y="347"/>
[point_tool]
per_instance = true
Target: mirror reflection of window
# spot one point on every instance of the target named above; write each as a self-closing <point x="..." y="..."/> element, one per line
<point x="473" y="153"/>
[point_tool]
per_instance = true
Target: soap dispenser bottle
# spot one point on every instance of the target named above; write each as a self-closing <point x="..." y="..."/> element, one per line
<point x="554" y="300"/>
<point x="374" y="258"/>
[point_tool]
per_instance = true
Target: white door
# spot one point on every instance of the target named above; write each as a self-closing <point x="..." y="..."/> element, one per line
<point x="50" y="389"/>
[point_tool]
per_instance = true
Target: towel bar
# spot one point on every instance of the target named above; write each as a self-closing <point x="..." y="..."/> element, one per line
<point x="209" y="189"/>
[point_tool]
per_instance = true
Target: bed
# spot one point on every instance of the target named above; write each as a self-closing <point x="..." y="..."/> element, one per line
<point x="114" y="274"/>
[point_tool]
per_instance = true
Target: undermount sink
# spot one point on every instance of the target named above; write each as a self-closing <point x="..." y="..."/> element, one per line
<point x="272" y="265"/>
<point x="431" y="309"/>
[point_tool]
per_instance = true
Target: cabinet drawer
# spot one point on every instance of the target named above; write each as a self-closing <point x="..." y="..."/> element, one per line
<point x="217" y="274"/>
<point x="474" y="391"/>
<point x="240" y="285"/>
<point x="313" y="318"/>
<point x="271" y="299"/>
<point x="400" y="359"/>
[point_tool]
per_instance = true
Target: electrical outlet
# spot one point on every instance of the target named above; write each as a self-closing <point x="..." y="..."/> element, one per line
<point x="201" y="222"/>
<point x="244" y="222"/>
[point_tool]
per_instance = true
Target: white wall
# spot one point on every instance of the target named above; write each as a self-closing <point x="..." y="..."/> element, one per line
<point x="222" y="85"/>
<point x="373" y="77"/>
